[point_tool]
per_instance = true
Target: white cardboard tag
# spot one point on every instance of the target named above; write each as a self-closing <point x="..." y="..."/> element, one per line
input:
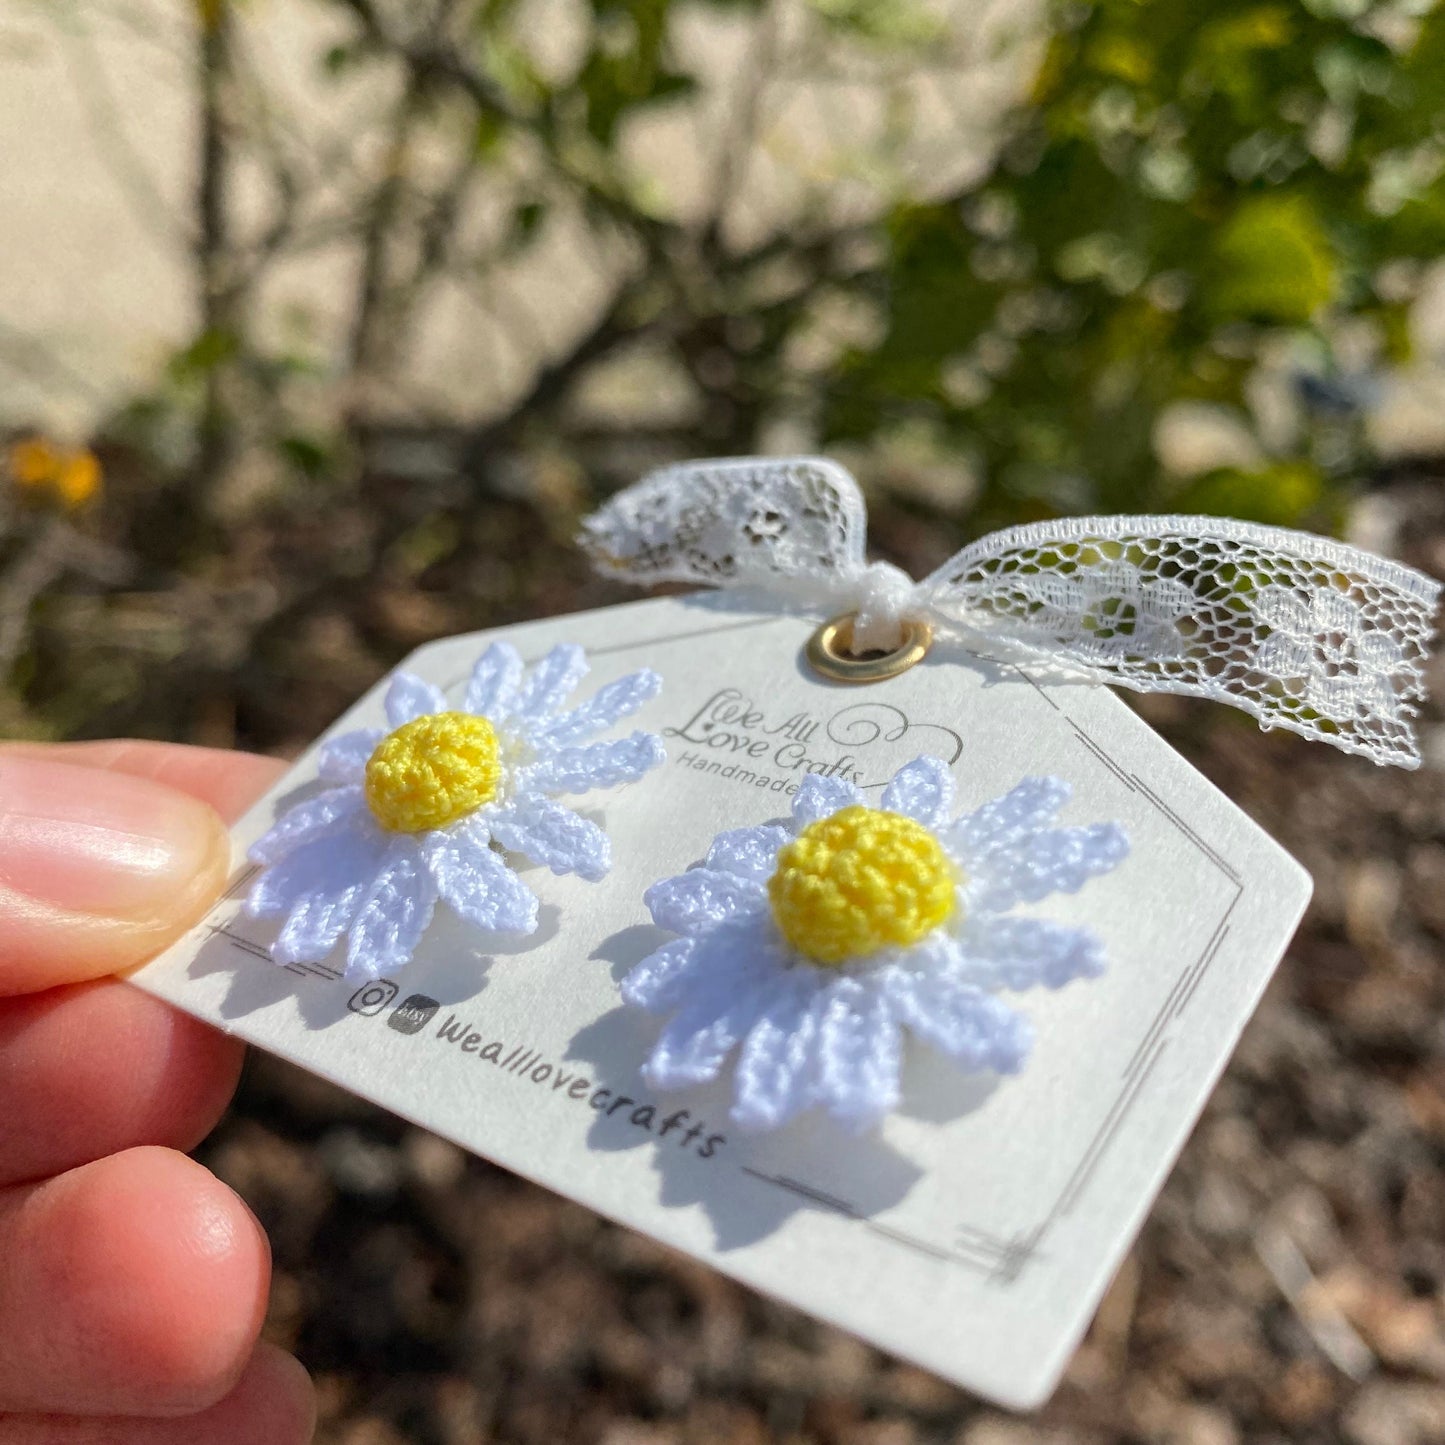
<point x="977" y="1229"/>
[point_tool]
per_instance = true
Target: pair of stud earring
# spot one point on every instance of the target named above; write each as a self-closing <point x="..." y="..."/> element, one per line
<point x="809" y="947"/>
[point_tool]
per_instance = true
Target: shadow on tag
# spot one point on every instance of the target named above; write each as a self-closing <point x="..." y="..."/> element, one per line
<point x="449" y="968"/>
<point x="750" y="1184"/>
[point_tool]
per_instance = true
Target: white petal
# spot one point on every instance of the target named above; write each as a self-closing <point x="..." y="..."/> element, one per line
<point x="859" y="1051"/>
<point x="733" y="958"/>
<point x="659" y="982"/>
<point x="607" y="706"/>
<point x="344" y="759"/>
<point x="692" y="1047"/>
<point x="1340" y="697"/>
<point x="922" y="790"/>
<point x="553" y="681"/>
<point x="702" y="898"/>
<point x="1023" y="810"/>
<point x="1062" y="597"/>
<point x="749" y="852"/>
<point x="1378" y="652"/>
<point x="313" y="818"/>
<point x="410" y="697"/>
<point x="393" y="914"/>
<point x="975" y="1029"/>
<point x="598" y="765"/>
<point x="548" y="833"/>
<point x="328" y="863"/>
<point x="1285" y="656"/>
<point x="322" y="911"/>
<point x="775" y="1074"/>
<point x="1378" y="695"/>
<point x="493" y="684"/>
<point x="1166" y="599"/>
<point x="1018" y="953"/>
<point x="280" y="885"/>
<point x="1112" y="580"/>
<point x="477" y="884"/>
<point x="314" y="927"/>
<point x="820" y="797"/>
<point x="1332" y="612"/>
<point x="1057" y="860"/>
<point x="1282" y="608"/>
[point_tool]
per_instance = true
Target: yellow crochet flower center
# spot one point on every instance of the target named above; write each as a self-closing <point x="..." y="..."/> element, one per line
<point x="432" y="771"/>
<point x="859" y="881"/>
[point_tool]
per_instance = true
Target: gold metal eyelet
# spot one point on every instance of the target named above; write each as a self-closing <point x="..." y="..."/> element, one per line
<point x="830" y="651"/>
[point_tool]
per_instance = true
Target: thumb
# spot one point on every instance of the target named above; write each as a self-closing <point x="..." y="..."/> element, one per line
<point x="98" y="869"/>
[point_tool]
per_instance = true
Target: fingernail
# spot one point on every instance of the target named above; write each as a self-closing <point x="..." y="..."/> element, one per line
<point x="90" y="841"/>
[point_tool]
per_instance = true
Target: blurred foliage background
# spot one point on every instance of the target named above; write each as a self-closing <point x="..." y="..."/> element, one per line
<point x="454" y="269"/>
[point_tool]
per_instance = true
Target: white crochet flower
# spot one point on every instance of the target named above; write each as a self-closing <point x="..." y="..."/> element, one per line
<point x="1323" y="639"/>
<point x="1114" y="610"/>
<point x="420" y="812"/>
<point x="811" y="946"/>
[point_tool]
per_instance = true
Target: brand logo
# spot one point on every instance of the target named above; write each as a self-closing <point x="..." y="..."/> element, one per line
<point x="412" y="1014"/>
<point x="733" y="734"/>
<point x="371" y="998"/>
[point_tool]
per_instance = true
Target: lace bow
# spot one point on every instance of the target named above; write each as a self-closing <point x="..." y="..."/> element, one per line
<point x="1302" y="632"/>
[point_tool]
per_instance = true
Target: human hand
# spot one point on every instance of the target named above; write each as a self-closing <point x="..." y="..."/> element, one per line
<point x="132" y="1282"/>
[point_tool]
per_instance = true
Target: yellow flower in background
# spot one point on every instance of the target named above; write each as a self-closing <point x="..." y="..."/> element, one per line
<point x="72" y="474"/>
<point x="211" y="13"/>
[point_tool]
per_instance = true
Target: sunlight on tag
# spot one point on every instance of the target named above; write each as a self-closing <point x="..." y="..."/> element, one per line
<point x="977" y="1229"/>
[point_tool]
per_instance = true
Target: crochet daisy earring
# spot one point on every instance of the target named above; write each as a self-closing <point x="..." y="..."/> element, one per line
<point x="421" y="812"/>
<point x="811" y="946"/>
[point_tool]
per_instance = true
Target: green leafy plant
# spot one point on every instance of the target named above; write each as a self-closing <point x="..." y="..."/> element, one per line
<point x="762" y="225"/>
<point x="1187" y="192"/>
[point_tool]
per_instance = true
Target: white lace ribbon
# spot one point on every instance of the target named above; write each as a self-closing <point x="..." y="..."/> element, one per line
<point x="1303" y="632"/>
